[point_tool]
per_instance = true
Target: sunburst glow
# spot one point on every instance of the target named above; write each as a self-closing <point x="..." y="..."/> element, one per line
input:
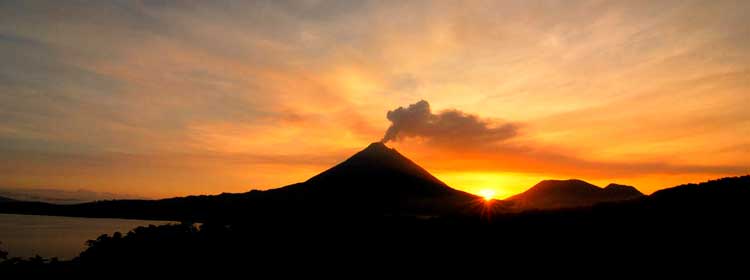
<point x="487" y="194"/>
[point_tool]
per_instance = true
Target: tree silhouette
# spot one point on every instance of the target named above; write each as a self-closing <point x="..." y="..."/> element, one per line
<point x="3" y="253"/>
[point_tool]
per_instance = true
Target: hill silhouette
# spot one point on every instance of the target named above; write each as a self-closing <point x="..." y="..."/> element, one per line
<point x="551" y="194"/>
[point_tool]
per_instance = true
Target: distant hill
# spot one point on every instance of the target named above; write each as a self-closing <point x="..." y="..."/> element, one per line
<point x="551" y="194"/>
<point x="60" y="196"/>
<point x="721" y="193"/>
<point x="5" y="199"/>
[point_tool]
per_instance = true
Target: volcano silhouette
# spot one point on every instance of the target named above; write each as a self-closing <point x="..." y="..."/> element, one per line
<point x="376" y="179"/>
<point x="379" y="170"/>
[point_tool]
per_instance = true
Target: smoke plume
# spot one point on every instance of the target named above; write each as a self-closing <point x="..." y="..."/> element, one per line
<point x="450" y="127"/>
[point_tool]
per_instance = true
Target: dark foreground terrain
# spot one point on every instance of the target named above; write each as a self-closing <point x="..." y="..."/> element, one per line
<point x="379" y="213"/>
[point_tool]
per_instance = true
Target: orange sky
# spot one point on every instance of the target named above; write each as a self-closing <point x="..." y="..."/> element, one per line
<point x="200" y="98"/>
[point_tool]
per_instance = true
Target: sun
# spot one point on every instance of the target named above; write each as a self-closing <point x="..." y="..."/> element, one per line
<point x="487" y="194"/>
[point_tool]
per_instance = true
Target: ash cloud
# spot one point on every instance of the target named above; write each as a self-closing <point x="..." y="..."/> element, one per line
<point x="450" y="127"/>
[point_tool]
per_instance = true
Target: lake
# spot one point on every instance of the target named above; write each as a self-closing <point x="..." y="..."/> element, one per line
<point x="62" y="237"/>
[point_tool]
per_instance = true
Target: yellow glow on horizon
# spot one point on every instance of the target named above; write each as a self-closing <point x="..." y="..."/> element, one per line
<point x="502" y="184"/>
<point x="487" y="194"/>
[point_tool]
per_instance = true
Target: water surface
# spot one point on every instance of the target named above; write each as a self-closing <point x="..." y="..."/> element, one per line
<point x="62" y="237"/>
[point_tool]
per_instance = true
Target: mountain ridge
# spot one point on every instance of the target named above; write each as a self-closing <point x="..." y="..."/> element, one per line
<point x="551" y="194"/>
<point x="378" y="180"/>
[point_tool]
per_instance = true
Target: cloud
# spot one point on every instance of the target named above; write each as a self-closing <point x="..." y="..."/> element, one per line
<point x="449" y="128"/>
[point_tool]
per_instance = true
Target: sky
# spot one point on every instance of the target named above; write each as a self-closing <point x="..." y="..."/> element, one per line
<point x="171" y="98"/>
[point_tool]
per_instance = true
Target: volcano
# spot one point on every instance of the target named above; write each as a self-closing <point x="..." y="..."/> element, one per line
<point x="377" y="179"/>
<point x="380" y="171"/>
